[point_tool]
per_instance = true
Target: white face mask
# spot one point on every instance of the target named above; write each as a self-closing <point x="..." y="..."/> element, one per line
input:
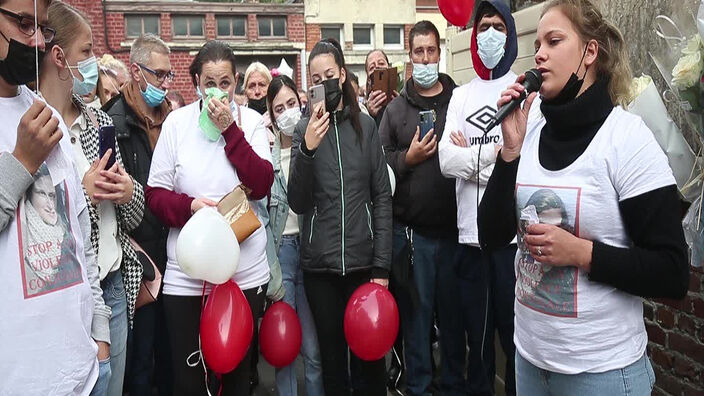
<point x="490" y="47"/>
<point x="286" y="121"/>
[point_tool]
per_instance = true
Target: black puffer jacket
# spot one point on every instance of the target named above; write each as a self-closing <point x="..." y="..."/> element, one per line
<point x="137" y="159"/>
<point x="424" y="199"/>
<point x="344" y="195"/>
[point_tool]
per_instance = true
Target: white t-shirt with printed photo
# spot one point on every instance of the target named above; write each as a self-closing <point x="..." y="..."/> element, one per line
<point x="564" y="322"/>
<point x="187" y="162"/>
<point x="45" y="296"/>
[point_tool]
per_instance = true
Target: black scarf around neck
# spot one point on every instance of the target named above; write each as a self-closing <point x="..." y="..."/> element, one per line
<point x="570" y="127"/>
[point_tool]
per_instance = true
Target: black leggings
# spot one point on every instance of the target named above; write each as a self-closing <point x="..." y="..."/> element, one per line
<point x="327" y="296"/>
<point x="183" y="321"/>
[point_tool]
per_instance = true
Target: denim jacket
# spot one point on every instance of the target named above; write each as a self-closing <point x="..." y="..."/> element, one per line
<point x="275" y="290"/>
<point x="278" y="206"/>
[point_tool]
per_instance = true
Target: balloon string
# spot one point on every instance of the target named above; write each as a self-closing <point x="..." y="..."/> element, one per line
<point x="200" y="360"/>
<point x="199" y="353"/>
<point x="36" y="48"/>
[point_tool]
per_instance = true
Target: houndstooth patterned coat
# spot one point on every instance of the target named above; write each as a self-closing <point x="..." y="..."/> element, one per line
<point x="129" y="215"/>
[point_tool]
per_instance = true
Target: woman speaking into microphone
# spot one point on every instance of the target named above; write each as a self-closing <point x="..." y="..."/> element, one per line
<point x="597" y="212"/>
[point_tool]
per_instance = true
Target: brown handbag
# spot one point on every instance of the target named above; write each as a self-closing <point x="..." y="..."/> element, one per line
<point x="151" y="277"/>
<point x="235" y="208"/>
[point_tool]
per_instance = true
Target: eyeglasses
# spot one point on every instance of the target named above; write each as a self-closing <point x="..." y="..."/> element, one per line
<point x="26" y="25"/>
<point x="160" y="75"/>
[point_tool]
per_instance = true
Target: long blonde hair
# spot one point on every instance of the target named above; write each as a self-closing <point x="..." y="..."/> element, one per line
<point x="612" y="59"/>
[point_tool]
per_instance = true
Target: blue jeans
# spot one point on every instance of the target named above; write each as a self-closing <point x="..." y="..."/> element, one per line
<point x="101" y="385"/>
<point x="296" y="297"/>
<point x="436" y="281"/>
<point x="112" y="371"/>
<point x="636" y="379"/>
<point x="489" y="275"/>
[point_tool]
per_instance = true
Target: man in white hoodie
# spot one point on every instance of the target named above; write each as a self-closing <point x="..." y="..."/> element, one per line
<point x="468" y="154"/>
<point x="54" y="323"/>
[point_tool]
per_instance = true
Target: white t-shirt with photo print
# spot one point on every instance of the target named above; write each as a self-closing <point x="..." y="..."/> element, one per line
<point x="45" y="295"/>
<point x="564" y="322"/>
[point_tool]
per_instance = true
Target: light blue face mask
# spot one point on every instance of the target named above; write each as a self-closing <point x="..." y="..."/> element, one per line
<point x="88" y="68"/>
<point x="490" y="47"/>
<point x="153" y="96"/>
<point x="425" y="75"/>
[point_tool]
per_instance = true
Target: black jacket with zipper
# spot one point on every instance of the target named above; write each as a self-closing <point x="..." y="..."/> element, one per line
<point x="133" y="142"/>
<point x="425" y="199"/>
<point x="343" y="193"/>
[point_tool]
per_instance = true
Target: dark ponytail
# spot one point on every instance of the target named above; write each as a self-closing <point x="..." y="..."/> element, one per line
<point x="349" y="97"/>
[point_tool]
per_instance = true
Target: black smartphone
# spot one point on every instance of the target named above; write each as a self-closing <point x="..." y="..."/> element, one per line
<point x="426" y="122"/>
<point x="106" y="139"/>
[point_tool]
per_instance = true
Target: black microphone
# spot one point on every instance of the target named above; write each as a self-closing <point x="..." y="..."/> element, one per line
<point x="532" y="83"/>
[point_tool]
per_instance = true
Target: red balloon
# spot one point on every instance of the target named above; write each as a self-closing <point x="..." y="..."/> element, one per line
<point x="226" y="327"/>
<point x="371" y="321"/>
<point x="280" y="335"/>
<point x="457" y="12"/>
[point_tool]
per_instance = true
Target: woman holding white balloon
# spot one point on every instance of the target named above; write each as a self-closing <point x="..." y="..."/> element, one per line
<point x="205" y="151"/>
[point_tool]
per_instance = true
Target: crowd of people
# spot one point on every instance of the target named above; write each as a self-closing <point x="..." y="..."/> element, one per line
<point x="547" y="229"/>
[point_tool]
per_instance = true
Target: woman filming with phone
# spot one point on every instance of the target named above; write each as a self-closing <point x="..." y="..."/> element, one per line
<point x="340" y="186"/>
<point x="598" y="210"/>
<point x="115" y="200"/>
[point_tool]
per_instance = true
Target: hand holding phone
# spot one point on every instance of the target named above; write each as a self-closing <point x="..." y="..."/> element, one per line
<point x="421" y="149"/>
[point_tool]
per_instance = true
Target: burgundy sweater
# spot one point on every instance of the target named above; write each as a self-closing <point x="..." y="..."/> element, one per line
<point x="256" y="173"/>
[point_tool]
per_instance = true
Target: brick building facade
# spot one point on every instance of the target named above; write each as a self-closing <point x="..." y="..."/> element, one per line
<point x="256" y="31"/>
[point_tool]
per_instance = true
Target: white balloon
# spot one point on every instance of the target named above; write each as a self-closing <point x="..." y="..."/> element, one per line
<point x="392" y="179"/>
<point x="207" y="248"/>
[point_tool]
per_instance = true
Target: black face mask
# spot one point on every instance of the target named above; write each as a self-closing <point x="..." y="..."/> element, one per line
<point x="258" y="105"/>
<point x="572" y="87"/>
<point x="333" y="94"/>
<point x="19" y="66"/>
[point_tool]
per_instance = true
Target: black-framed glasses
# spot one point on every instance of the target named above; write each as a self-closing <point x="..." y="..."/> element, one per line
<point x="26" y="25"/>
<point x="160" y="75"/>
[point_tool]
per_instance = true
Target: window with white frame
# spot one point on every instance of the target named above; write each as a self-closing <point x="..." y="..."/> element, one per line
<point x="363" y="36"/>
<point x="393" y="36"/>
<point x="332" y="31"/>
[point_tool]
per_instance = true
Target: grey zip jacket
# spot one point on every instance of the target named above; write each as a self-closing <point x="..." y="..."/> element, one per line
<point x="342" y="190"/>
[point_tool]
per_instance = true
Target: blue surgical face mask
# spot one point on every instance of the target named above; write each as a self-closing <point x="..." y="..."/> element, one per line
<point x="490" y="47"/>
<point x="425" y="75"/>
<point x="88" y="69"/>
<point x="153" y="96"/>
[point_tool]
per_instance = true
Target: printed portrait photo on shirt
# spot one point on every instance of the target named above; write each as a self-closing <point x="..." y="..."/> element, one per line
<point x="47" y="246"/>
<point x="542" y="287"/>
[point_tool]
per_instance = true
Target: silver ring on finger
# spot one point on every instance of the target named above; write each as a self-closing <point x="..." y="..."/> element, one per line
<point x="540" y="251"/>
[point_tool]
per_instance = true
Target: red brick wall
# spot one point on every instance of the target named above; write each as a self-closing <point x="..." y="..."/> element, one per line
<point x="312" y="36"/>
<point x="296" y="27"/>
<point x="676" y="340"/>
<point x="210" y="26"/>
<point x="180" y="61"/>
<point x="252" y="28"/>
<point x="165" y="32"/>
